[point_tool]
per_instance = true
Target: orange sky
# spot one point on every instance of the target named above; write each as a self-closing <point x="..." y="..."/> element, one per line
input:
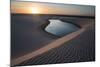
<point x="50" y="8"/>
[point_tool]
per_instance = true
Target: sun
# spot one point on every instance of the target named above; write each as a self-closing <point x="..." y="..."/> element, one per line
<point x="35" y="10"/>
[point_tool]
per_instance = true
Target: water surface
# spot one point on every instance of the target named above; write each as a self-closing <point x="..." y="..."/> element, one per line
<point x="60" y="28"/>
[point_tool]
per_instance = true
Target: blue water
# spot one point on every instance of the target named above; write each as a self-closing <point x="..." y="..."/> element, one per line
<point x="60" y="28"/>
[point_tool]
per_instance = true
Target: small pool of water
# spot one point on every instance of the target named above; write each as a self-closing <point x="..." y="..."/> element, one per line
<point x="60" y="28"/>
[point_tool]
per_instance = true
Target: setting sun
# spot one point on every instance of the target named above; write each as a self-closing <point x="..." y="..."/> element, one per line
<point x="35" y="10"/>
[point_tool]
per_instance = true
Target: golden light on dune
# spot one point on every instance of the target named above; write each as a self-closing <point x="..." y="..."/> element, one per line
<point x="35" y="10"/>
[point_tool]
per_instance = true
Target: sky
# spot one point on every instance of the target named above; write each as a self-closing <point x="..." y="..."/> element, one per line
<point x="51" y="8"/>
<point x="84" y="2"/>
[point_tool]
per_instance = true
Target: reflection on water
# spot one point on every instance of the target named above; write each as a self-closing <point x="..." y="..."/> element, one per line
<point x="59" y="28"/>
